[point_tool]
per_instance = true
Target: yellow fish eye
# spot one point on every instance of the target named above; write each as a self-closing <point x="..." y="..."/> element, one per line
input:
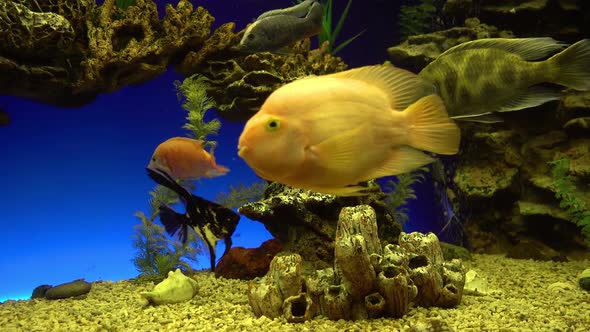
<point x="273" y="125"/>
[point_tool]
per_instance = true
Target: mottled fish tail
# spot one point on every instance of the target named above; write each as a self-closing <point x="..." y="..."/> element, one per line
<point x="573" y="66"/>
<point x="176" y="224"/>
<point x="430" y="127"/>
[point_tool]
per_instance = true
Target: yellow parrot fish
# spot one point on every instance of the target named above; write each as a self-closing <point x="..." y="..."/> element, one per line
<point x="184" y="158"/>
<point x="328" y="133"/>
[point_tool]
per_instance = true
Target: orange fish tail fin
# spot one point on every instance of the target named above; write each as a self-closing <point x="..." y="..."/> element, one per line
<point x="216" y="171"/>
<point x="430" y="128"/>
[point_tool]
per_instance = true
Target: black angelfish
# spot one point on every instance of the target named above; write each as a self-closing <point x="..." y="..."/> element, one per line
<point x="211" y="221"/>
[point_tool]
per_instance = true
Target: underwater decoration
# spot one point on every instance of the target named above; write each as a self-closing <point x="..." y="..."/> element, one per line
<point x="82" y="49"/>
<point x="175" y="288"/>
<point x="366" y="281"/>
<point x="305" y="221"/>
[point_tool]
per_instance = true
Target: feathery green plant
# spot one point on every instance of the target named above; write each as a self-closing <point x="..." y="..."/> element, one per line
<point x="241" y="194"/>
<point x="193" y="92"/>
<point x="156" y="252"/>
<point x="123" y="4"/>
<point x="569" y="200"/>
<point x="401" y="191"/>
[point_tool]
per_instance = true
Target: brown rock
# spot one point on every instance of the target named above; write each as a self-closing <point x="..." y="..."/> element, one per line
<point x="242" y="263"/>
<point x="531" y="249"/>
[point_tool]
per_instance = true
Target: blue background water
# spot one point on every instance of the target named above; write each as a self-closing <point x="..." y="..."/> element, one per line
<point x="72" y="178"/>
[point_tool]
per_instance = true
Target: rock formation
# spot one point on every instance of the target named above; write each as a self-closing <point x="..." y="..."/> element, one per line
<point x="367" y="280"/>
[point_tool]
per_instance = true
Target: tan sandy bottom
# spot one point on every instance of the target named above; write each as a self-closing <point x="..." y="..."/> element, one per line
<point x="524" y="302"/>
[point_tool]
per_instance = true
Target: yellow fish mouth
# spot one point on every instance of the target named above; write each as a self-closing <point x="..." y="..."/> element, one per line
<point x="242" y="150"/>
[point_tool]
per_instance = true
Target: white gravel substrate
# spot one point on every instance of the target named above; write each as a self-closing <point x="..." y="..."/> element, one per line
<point x="523" y="302"/>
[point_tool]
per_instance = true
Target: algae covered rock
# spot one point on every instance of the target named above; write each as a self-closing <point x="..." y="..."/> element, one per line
<point x="418" y="51"/>
<point x="69" y="289"/>
<point x="305" y="222"/>
<point x="240" y="83"/>
<point x="175" y="288"/>
<point x="33" y="34"/>
<point x="66" y="52"/>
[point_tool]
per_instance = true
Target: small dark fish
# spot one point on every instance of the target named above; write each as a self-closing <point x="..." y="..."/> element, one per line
<point x="4" y="118"/>
<point x="211" y="221"/>
<point x="275" y="30"/>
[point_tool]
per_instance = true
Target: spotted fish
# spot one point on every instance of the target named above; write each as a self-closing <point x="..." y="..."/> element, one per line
<point x="479" y="79"/>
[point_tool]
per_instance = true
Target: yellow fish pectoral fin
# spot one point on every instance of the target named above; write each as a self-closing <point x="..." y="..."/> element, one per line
<point x="402" y="160"/>
<point x="340" y="153"/>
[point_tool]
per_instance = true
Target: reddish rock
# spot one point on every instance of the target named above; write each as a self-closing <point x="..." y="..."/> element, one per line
<point x="242" y="263"/>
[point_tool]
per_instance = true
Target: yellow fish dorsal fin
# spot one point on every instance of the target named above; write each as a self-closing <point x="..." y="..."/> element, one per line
<point x="186" y="139"/>
<point x="528" y="48"/>
<point x="402" y="86"/>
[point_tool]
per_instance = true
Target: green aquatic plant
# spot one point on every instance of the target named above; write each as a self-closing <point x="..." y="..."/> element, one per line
<point x="400" y="192"/>
<point x="417" y="19"/>
<point x="241" y="194"/>
<point x="193" y="94"/>
<point x="156" y="252"/>
<point x="330" y="32"/>
<point x="123" y="4"/>
<point x="570" y="199"/>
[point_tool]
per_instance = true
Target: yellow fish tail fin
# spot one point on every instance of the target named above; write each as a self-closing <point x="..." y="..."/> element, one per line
<point x="430" y="128"/>
<point x="573" y="66"/>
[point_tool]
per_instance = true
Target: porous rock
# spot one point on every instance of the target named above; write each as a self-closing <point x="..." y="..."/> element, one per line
<point x="66" y="52"/>
<point x="239" y="83"/>
<point x="367" y="280"/>
<point x="305" y="222"/>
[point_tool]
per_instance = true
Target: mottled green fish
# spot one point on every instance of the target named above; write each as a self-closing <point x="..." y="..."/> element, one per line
<point x="479" y="78"/>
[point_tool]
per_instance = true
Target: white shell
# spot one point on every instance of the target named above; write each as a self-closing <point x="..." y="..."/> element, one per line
<point x="176" y="288"/>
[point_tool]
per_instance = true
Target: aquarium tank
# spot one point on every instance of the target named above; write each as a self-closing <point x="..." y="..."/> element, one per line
<point x="295" y="165"/>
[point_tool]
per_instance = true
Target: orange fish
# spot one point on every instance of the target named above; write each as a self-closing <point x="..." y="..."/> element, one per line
<point x="328" y="133"/>
<point x="185" y="159"/>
